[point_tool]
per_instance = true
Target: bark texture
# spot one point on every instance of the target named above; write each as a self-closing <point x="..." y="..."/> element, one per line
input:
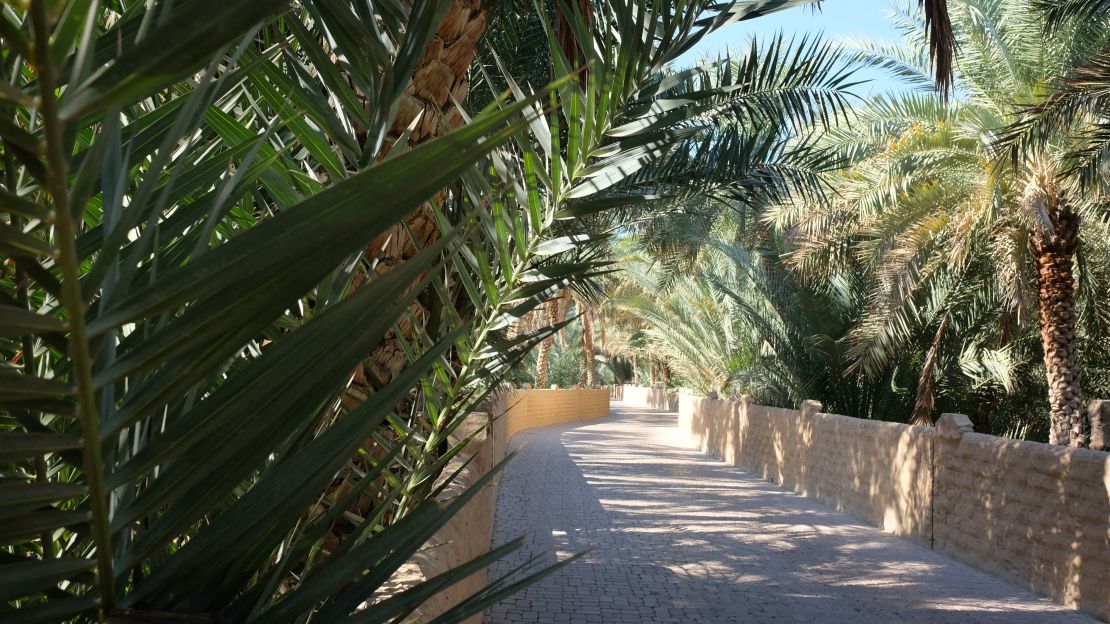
<point x="543" y="352"/>
<point x="1054" y="252"/>
<point x="440" y="79"/>
<point x="588" y="346"/>
<point x="556" y="311"/>
<point x="440" y="75"/>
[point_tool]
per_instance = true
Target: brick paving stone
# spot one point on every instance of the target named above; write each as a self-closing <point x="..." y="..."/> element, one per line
<point x="677" y="537"/>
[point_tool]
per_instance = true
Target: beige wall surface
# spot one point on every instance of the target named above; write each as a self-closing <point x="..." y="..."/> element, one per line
<point x="655" y="397"/>
<point x="1035" y="514"/>
<point x="877" y="471"/>
<point x="526" y="409"/>
<point x="467" y="535"/>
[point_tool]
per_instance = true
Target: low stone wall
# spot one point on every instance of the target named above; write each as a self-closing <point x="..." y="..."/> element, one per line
<point x="526" y="409"/>
<point x="1034" y="514"/>
<point x="468" y="534"/>
<point x="877" y="471"/>
<point x="654" y="397"/>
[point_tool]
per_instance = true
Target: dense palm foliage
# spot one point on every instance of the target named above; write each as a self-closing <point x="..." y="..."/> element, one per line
<point x="960" y="253"/>
<point x="962" y="246"/>
<point x="692" y="325"/>
<point x="196" y="196"/>
<point x="743" y="324"/>
<point x="189" y="212"/>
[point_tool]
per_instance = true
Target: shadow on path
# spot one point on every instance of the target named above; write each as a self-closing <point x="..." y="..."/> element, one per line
<point x="679" y="537"/>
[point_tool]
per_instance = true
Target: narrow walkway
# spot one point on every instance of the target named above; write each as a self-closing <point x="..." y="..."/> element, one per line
<point x="678" y="537"/>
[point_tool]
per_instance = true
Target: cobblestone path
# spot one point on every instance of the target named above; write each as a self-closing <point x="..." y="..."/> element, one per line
<point x="678" y="537"/>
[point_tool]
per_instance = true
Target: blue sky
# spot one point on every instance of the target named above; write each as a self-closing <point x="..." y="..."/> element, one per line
<point x="836" y="19"/>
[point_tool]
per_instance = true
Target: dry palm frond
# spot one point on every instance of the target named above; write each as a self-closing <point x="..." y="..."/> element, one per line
<point x="942" y="42"/>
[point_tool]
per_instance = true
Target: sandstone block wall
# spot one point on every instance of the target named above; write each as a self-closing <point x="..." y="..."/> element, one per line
<point x="654" y="397"/>
<point x="468" y="534"/>
<point x="526" y="409"/>
<point x="877" y="471"/>
<point x="1034" y="514"/>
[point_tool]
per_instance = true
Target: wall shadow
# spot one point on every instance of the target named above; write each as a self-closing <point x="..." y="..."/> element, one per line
<point x="1035" y="514"/>
<point x="877" y="471"/>
<point x="677" y="537"/>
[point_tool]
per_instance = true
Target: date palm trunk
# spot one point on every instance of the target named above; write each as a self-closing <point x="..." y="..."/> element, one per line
<point x="588" y="346"/>
<point x="543" y="353"/>
<point x="556" y="312"/>
<point x="1054" y="252"/>
<point x="440" y="79"/>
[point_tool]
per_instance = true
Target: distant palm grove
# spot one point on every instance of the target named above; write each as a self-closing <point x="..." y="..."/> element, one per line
<point x="262" y="258"/>
<point x="932" y="252"/>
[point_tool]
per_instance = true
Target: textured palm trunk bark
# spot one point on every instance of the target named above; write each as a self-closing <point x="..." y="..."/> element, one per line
<point x="564" y="307"/>
<point x="556" y="311"/>
<point x="440" y="79"/>
<point x="588" y="348"/>
<point x="1054" y="253"/>
<point x="543" y="353"/>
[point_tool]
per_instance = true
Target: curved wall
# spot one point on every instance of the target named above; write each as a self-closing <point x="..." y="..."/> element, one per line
<point x="468" y="534"/>
<point x="1034" y="514"/>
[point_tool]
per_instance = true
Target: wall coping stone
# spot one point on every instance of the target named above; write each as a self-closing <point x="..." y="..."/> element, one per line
<point x="1099" y="412"/>
<point x="954" y="426"/>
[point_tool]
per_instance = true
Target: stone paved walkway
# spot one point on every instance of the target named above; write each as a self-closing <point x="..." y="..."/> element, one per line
<point x="681" y="538"/>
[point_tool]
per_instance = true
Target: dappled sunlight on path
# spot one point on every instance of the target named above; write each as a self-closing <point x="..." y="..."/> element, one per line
<point x="676" y="536"/>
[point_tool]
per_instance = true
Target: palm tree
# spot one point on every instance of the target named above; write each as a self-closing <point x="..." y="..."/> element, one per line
<point x="553" y="312"/>
<point x="1072" y="119"/>
<point x="743" y="323"/>
<point x="190" y="192"/>
<point x="691" y="325"/>
<point x="942" y="225"/>
<point x="1054" y="250"/>
<point x="427" y="110"/>
<point x="768" y="94"/>
<point x="588" y="363"/>
<point x="178" y="263"/>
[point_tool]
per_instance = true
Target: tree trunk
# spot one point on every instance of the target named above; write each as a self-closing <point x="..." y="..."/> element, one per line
<point x="543" y="353"/>
<point x="440" y="75"/>
<point x="564" y="307"/>
<point x="1054" y="252"/>
<point x="588" y="346"/>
